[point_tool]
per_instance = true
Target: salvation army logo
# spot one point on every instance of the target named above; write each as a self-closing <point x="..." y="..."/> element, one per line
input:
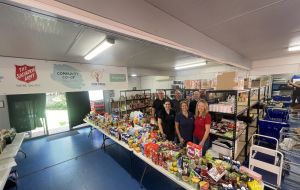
<point x="97" y="75"/>
<point x="26" y="73"/>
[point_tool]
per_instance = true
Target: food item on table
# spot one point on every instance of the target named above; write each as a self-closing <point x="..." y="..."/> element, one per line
<point x="204" y="185"/>
<point x="185" y="178"/>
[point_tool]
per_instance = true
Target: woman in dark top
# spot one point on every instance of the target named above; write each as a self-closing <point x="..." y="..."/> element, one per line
<point x="184" y="124"/>
<point x="166" y="121"/>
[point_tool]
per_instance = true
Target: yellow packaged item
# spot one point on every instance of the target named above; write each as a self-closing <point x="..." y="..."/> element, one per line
<point x="255" y="185"/>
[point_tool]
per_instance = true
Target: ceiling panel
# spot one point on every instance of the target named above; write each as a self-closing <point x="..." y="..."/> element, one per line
<point x="202" y="14"/>
<point x="257" y="29"/>
<point x="28" y="34"/>
<point x="263" y="34"/>
<point x="25" y="34"/>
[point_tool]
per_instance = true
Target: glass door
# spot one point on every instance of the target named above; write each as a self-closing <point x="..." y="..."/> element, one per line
<point x="56" y="113"/>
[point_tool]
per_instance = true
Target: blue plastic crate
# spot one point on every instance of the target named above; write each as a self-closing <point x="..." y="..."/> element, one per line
<point x="282" y="98"/>
<point x="277" y="114"/>
<point x="271" y="128"/>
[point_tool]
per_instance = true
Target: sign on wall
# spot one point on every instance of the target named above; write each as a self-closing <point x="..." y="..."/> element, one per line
<point x="68" y="76"/>
<point x="22" y="76"/>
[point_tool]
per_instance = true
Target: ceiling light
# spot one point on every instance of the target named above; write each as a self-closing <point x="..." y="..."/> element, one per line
<point x="100" y="48"/>
<point x="294" y="48"/>
<point x="190" y="65"/>
<point x="133" y="75"/>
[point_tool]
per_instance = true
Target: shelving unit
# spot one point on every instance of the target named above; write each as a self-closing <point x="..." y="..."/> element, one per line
<point x="133" y="100"/>
<point x="239" y="108"/>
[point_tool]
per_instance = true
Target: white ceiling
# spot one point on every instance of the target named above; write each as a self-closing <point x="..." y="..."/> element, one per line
<point x="256" y="29"/>
<point x="27" y="34"/>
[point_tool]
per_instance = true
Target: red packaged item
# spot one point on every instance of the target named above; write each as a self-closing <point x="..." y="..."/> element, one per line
<point x="194" y="150"/>
<point x="150" y="147"/>
<point x="153" y="135"/>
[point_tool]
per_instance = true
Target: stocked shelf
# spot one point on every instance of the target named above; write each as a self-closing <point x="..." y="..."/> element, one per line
<point x="137" y="99"/>
<point x="240" y="104"/>
<point x="238" y="135"/>
<point x="132" y="100"/>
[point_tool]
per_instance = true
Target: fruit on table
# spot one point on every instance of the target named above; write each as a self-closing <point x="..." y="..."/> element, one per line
<point x="195" y="179"/>
<point x="174" y="164"/>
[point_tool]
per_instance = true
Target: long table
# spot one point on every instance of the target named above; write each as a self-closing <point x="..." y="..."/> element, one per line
<point x="11" y="150"/>
<point x="7" y="158"/>
<point x="5" y="168"/>
<point x="143" y="158"/>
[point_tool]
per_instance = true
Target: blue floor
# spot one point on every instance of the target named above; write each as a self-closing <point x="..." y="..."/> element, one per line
<point x="77" y="162"/>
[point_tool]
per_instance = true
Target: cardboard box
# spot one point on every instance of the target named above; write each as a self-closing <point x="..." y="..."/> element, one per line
<point x="260" y="82"/>
<point x="247" y="83"/>
<point x="230" y="81"/>
<point x="192" y="84"/>
<point x="205" y="84"/>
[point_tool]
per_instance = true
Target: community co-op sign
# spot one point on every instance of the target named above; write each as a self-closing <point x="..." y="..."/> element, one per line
<point x="68" y="76"/>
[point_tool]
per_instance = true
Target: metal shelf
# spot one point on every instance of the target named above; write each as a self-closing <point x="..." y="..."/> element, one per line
<point x="240" y="143"/>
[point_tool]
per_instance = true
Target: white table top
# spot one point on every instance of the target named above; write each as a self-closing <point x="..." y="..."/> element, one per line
<point x="121" y="143"/>
<point x="5" y="168"/>
<point x="3" y="177"/>
<point x="11" y="150"/>
<point x="18" y="140"/>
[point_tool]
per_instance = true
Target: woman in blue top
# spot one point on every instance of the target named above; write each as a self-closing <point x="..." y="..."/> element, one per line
<point x="184" y="124"/>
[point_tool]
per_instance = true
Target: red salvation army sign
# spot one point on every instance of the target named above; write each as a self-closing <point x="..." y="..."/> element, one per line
<point x="26" y="73"/>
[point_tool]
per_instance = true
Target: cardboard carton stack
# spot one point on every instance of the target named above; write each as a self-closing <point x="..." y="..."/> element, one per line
<point x="206" y="84"/>
<point x="192" y="84"/>
<point x="260" y="82"/>
<point x="230" y="81"/>
<point x="247" y="83"/>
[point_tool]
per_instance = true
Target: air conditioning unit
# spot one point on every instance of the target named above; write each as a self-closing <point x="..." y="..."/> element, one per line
<point x="162" y="78"/>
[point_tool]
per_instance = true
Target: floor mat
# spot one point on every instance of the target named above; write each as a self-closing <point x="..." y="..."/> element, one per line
<point x="62" y="135"/>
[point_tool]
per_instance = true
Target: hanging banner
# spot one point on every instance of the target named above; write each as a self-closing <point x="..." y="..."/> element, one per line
<point x="23" y="76"/>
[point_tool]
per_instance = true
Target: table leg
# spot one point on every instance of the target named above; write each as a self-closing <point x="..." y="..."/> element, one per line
<point x="23" y="153"/>
<point x="131" y="162"/>
<point x="141" y="180"/>
<point x="104" y="138"/>
<point x="91" y="131"/>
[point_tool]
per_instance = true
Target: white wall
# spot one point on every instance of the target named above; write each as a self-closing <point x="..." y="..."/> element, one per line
<point x="149" y="82"/>
<point x="206" y="72"/>
<point x="4" y="119"/>
<point x="281" y="65"/>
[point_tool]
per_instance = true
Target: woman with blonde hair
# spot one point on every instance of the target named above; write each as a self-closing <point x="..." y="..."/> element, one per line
<point x="202" y="125"/>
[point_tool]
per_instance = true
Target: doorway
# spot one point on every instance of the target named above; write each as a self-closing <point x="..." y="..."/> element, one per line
<point x="56" y="113"/>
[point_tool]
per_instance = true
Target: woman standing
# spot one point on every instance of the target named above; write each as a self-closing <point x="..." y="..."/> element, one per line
<point x="184" y="124"/>
<point x="166" y="121"/>
<point x="202" y="125"/>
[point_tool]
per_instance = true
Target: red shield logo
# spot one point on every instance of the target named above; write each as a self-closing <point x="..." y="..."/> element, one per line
<point x="26" y="73"/>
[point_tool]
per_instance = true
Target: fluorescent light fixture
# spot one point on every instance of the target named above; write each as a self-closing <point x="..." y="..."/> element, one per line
<point x="190" y="65"/>
<point x="294" y="48"/>
<point x="133" y="75"/>
<point x="100" y="48"/>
